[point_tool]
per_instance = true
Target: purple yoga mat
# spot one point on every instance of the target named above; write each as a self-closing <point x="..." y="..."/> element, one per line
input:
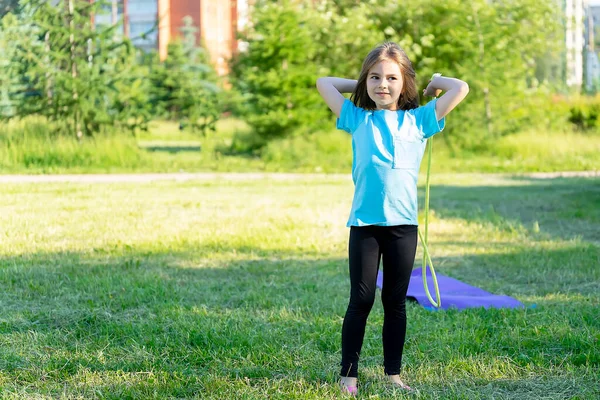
<point x="453" y="292"/>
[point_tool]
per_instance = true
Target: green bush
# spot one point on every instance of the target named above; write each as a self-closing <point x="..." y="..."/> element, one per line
<point x="583" y="115"/>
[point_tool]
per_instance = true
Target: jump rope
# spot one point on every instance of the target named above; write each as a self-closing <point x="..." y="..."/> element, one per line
<point x="426" y="257"/>
<point x="424" y="239"/>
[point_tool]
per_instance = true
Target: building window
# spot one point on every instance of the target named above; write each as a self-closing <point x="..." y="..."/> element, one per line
<point x="142" y="16"/>
<point x="143" y="34"/>
<point x="105" y="17"/>
<point x="142" y="7"/>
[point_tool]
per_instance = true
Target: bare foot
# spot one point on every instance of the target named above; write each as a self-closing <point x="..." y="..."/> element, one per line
<point x="348" y="385"/>
<point x="396" y="381"/>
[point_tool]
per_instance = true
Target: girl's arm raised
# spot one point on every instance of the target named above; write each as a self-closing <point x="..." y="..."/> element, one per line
<point x="456" y="90"/>
<point x="331" y="90"/>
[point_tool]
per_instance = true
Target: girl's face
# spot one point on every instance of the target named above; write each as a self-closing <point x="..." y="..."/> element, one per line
<point x="384" y="85"/>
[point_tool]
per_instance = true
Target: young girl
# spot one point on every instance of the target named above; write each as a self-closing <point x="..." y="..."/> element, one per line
<point x="389" y="133"/>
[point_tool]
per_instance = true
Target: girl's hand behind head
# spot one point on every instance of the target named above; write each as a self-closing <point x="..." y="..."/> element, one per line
<point x="431" y="91"/>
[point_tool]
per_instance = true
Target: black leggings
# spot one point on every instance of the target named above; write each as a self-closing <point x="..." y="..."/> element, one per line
<point x="368" y="244"/>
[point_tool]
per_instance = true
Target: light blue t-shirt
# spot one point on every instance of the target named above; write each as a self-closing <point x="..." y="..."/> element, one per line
<point x="387" y="148"/>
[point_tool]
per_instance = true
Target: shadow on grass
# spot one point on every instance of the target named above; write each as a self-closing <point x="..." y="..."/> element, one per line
<point x="66" y="314"/>
<point x="564" y="208"/>
<point x="527" y="388"/>
<point x="171" y="149"/>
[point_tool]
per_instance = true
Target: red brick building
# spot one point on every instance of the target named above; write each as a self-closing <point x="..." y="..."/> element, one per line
<point x="217" y="22"/>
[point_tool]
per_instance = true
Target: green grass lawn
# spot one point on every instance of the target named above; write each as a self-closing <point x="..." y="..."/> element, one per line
<point x="229" y="289"/>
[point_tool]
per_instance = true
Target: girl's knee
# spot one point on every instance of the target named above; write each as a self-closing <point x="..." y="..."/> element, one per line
<point x="394" y="302"/>
<point x="362" y="303"/>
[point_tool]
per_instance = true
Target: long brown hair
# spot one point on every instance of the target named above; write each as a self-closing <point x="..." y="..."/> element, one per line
<point x="409" y="97"/>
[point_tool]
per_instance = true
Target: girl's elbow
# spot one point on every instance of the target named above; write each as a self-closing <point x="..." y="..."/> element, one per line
<point x="464" y="87"/>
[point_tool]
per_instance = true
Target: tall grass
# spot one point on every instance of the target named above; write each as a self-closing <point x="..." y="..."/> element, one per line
<point x="528" y="151"/>
<point x="27" y="147"/>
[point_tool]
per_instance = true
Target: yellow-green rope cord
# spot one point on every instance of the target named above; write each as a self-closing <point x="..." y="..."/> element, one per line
<point x="426" y="256"/>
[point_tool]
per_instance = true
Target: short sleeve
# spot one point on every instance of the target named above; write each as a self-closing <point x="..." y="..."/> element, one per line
<point x="426" y="119"/>
<point x="350" y="117"/>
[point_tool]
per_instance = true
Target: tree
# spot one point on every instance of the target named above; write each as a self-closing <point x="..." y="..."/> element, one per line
<point x="276" y="75"/>
<point x="75" y="72"/>
<point x="13" y="34"/>
<point x="185" y="85"/>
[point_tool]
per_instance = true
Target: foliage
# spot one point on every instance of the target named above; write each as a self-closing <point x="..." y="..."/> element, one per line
<point x="184" y="86"/>
<point x="13" y="30"/>
<point x="131" y="107"/>
<point x="81" y="76"/>
<point x="584" y="113"/>
<point x="85" y="80"/>
<point x="276" y="75"/>
<point x="506" y="51"/>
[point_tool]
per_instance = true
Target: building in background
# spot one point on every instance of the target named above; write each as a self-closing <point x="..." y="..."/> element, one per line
<point x="594" y="14"/>
<point x="582" y="65"/>
<point x="592" y="63"/>
<point x="152" y="24"/>
<point x="574" y="41"/>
